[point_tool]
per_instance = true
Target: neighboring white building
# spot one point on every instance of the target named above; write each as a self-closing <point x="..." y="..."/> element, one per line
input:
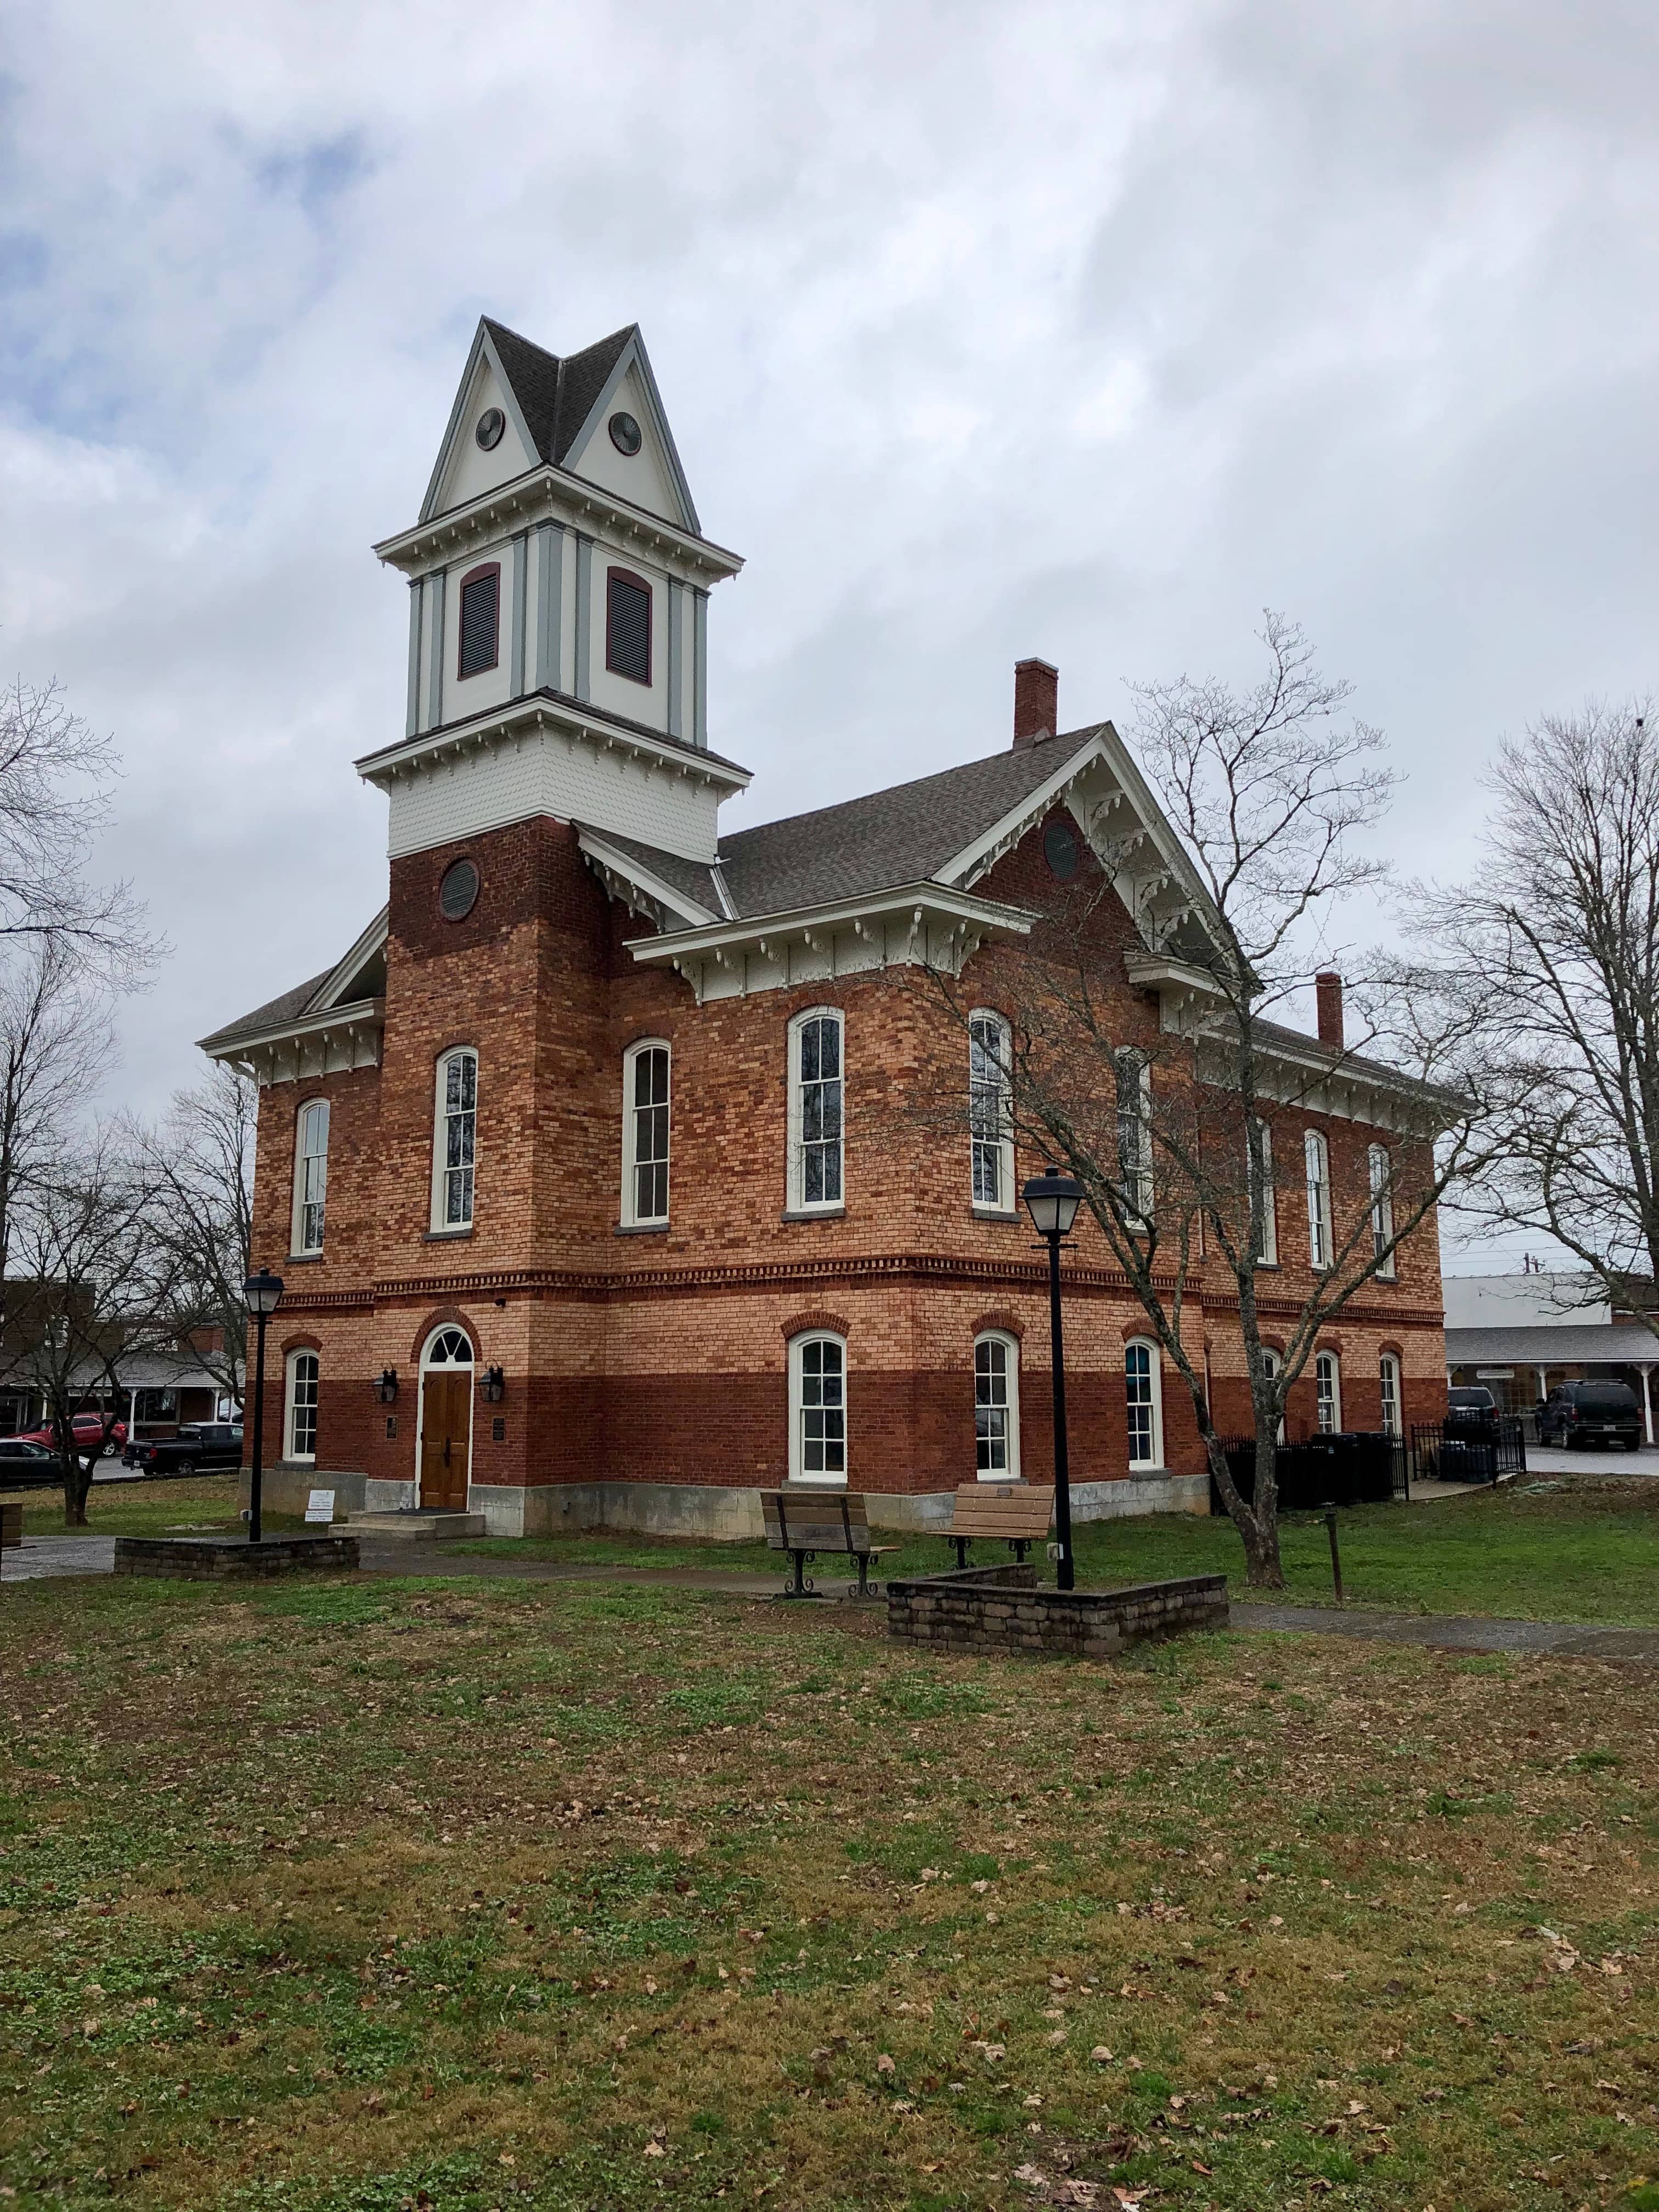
<point x="1518" y="1333"/>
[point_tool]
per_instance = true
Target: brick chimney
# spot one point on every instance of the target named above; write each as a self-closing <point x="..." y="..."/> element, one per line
<point x="1037" y="703"/>
<point x="1328" y="990"/>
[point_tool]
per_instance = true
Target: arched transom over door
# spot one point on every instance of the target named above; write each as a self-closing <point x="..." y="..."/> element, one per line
<point x="446" y="1445"/>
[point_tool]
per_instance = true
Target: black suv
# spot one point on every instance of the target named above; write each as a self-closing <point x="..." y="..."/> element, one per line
<point x="199" y="1445"/>
<point x="1591" y="1412"/>
<point x="1470" y="1408"/>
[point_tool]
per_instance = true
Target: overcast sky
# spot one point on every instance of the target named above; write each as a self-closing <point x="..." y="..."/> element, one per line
<point x="1084" y="331"/>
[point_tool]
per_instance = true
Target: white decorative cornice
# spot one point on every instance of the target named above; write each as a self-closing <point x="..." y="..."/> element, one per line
<point x="544" y="712"/>
<point x="548" y="494"/>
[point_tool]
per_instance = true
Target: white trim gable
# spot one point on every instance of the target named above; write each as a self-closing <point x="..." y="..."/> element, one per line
<point x="640" y="890"/>
<point x="461" y="417"/>
<point x="338" y="990"/>
<point x="633" y="360"/>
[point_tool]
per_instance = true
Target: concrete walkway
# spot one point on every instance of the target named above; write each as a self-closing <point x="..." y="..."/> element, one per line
<point x="37" y="1556"/>
<point x="1447" y="1631"/>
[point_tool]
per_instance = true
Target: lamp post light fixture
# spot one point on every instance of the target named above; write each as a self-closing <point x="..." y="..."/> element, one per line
<point x="1051" y="1200"/>
<point x="495" y="1385"/>
<point x="261" y="1295"/>
<point x="387" y="1386"/>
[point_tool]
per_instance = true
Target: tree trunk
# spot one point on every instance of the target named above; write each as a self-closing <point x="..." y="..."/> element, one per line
<point x="78" y="1486"/>
<point x="1260" y="1530"/>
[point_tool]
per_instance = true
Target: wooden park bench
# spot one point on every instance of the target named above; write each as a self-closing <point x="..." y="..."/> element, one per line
<point x="804" y="1522"/>
<point x="1011" y="1510"/>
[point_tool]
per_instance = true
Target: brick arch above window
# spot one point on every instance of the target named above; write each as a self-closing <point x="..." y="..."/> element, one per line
<point x="1141" y="1329"/>
<point x="442" y="1318"/>
<point x="1394" y="1351"/>
<point x="1009" y="1324"/>
<point x="290" y="1345"/>
<point x="809" y="1324"/>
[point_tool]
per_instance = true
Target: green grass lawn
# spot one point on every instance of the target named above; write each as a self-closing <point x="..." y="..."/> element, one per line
<point x="417" y="1896"/>
<point x="1584" y="1550"/>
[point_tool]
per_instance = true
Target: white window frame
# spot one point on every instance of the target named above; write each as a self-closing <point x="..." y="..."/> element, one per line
<point x="799" y="1201"/>
<point x="291" y="1404"/>
<point x="632" y="1216"/>
<point x="1154" y="1400"/>
<point x="1316" y="1156"/>
<point x="310" y="1178"/>
<point x="799" y="1452"/>
<point x="1269" y="1255"/>
<point x="1327" y="1393"/>
<point x="990" y="1119"/>
<point x="1135" y="1137"/>
<point x="1380" y="1170"/>
<point x="1009" y="1346"/>
<point x="1390" y="1383"/>
<point x="1274" y="1362"/>
<point x="441" y="1224"/>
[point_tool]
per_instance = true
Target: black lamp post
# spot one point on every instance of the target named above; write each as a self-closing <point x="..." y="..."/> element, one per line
<point x="1052" y="1199"/>
<point x="260" y="1294"/>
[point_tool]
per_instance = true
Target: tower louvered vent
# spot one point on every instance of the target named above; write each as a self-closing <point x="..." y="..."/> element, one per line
<point x="628" y="627"/>
<point x="480" y="601"/>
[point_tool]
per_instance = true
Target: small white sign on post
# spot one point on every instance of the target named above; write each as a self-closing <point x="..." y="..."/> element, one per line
<point x="320" y="1507"/>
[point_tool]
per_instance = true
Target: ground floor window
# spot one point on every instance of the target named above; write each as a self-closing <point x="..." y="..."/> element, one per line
<point x="1327" y="1393"/>
<point x="817" y="1409"/>
<point x="301" y="1426"/>
<point x="996" y="1409"/>
<point x="1143" y="1388"/>
<point x="1389" y="1377"/>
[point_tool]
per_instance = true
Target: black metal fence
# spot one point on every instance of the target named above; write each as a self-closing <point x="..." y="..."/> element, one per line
<point x="1468" y="1451"/>
<point x="1358" y="1467"/>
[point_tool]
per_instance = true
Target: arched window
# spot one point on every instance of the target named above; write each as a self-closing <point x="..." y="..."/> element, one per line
<point x="1387" y="1373"/>
<point x="816" y="1128"/>
<point x="628" y="625"/>
<point x="1267" y="1244"/>
<point x="1144" y="1381"/>
<point x="644" y="1135"/>
<point x="989" y="1043"/>
<point x="1135" y="1135"/>
<point x="817" y="1408"/>
<point x="1382" y="1178"/>
<point x="1272" y="1365"/>
<point x="1319" y="1200"/>
<point x="455" y="1139"/>
<point x="449" y="1347"/>
<point x="300" y="1417"/>
<point x="310" y="1174"/>
<point x="1327" y="1393"/>
<point x="996" y="1407"/>
<point x="480" y="626"/>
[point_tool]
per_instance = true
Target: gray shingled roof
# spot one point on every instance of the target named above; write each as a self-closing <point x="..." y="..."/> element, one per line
<point x="287" y="1006"/>
<point x="555" y="394"/>
<point x="1558" y="1344"/>
<point x="900" y="836"/>
<point x="694" y="878"/>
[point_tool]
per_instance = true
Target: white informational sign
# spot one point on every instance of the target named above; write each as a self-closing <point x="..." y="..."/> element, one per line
<point x="1494" y="1374"/>
<point x="320" y="1506"/>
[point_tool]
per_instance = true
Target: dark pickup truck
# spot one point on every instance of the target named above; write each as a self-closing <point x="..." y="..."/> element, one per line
<point x="198" y="1445"/>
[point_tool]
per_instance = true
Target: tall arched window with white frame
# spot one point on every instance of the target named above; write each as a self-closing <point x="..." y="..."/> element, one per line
<point x="1144" y="1390"/>
<point x="996" y="1407"/>
<point x="1388" y="1375"/>
<point x="1318" y="1160"/>
<point x="1327" y="1393"/>
<point x="1134" y="1134"/>
<point x="817" y="1125"/>
<point x="310" y="1175"/>
<point x="989" y="1119"/>
<point x="455" y="1139"/>
<point x="1382" y="1178"/>
<point x="300" y="1411"/>
<point x="817" y="1407"/>
<point x="1267" y="1241"/>
<point x="646" y="1071"/>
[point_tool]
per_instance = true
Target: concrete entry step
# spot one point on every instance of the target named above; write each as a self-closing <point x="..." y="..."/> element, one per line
<point x="434" y="1525"/>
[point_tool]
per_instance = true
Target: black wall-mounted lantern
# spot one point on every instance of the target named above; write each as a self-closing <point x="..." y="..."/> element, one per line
<point x="494" y="1387"/>
<point x="386" y="1388"/>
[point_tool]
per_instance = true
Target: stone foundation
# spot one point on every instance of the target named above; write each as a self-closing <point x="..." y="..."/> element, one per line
<point x="233" y="1559"/>
<point x="1002" y="1609"/>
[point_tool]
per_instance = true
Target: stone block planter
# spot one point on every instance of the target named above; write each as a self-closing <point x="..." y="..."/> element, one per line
<point x="233" y="1559"/>
<point x="1002" y="1609"/>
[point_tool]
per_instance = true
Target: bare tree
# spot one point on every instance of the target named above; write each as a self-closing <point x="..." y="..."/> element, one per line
<point x="89" y="1293"/>
<point x="54" y="1043"/>
<point x="55" y="776"/>
<point x="199" y="1167"/>
<point x="1267" y="787"/>
<point x="1551" y="954"/>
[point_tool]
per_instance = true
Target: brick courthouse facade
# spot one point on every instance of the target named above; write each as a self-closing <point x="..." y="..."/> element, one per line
<point x="588" y="1166"/>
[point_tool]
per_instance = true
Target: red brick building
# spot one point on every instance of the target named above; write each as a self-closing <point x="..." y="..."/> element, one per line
<point x="588" y="1167"/>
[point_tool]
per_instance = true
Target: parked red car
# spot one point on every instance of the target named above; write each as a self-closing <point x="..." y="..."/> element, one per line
<point x="85" y="1428"/>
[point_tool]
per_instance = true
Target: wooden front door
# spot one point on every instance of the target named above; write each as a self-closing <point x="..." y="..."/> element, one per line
<point x="445" y="1439"/>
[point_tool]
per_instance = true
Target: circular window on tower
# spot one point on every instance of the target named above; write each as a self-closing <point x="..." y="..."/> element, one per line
<point x="491" y="423"/>
<point x="1059" y="851"/>
<point x="625" y="435"/>
<point x="458" y="891"/>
